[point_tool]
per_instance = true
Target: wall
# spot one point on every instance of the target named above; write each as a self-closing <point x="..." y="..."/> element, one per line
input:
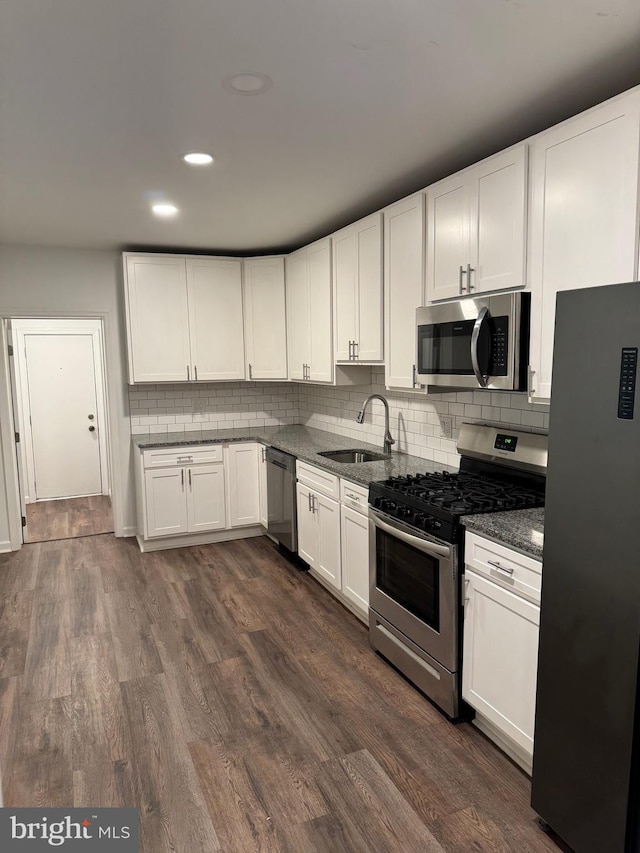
<point x="415" y="418"/>
<point x="39" y="281"/>
<point x="212" y="405"/>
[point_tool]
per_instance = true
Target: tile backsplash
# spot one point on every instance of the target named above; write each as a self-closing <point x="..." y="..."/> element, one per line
<point x="415" y="418"/>
<point x="211" y="405"/>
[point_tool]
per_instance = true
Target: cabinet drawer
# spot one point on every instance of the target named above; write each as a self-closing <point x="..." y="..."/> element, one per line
<point x="318" y="479"/>
<point x="515" y="571"/>
<point x="165" y="457"/>
<point x="354" y="496"/>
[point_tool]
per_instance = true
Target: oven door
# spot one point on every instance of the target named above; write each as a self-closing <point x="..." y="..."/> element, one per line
<point x="413" y="582"/>
<point x="474" y="343"/>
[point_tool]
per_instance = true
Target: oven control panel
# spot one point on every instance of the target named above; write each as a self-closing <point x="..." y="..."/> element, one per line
<point x="441" y="528"/>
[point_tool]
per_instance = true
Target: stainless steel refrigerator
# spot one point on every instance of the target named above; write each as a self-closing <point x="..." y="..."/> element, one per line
<point x="587" y="734"/>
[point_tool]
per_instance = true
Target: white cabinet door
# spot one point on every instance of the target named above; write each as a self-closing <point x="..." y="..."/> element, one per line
<point x="264" y="318"/>
<point x="307" y="526"/>
<point x="215" y="318"/>
<point x="205" y="498"/>
<point x="497" y="222"/>
<point x="355" y="557"/>
<point x="166" y="502"/>
<point x="448" y="237"/>
<point x="357" y="271"/>
<point x="584" y="224"/>
<point x="320" y="323"/>
<point x="297" y="290"/>
<point x="157" y="319"/>
<point x="241" y="463"/>
<point x="500" y="657"/>
<point x="369" y="342"/>
<point x="403" y="287"/>
<point x="262" y="485"/>
<point x="328" y="563"/>
<point x="345" y="282"/>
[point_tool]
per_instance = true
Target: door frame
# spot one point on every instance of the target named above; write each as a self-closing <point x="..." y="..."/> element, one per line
<point x="110" y="352"/>
<point x="19" y="330"/>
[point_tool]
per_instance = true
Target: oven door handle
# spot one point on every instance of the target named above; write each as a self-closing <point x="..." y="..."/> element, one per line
<point x="417" y="542"/>
<point x="475" y="335"/>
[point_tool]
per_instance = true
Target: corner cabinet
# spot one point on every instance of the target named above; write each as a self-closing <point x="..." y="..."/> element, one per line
<point x="404" y="236"/>
<point x="357" y="289"/>
<point x="584" y="216"/>
<point x="476" y="222"/>
<point x="191" y="495"/>
<point x="308" y="284"/>
<point x="265" y="318"/>
<point x="184" y="318"/>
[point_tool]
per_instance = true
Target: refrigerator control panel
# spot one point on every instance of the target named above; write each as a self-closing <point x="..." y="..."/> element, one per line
<point x="627" y="388"/>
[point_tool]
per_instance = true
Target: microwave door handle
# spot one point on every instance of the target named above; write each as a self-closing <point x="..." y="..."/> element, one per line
<point x="415" y="541"/>
<point x="475" y="335"/>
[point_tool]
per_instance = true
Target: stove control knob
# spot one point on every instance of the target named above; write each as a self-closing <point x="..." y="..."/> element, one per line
<point x="387" y="506"/>
<point x="434" y="524"/>
<point x="377" y="502"/>
<point x="420" y="520"/>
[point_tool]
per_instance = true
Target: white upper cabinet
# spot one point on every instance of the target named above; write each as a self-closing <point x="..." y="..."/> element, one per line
<point x="157" y="318"/>
<point x="357" y="281"/>
<point x="184" y="318"/>
<point x="476" y="223"/>
<point x="214" y="287"/>
<point x="308" y="286"/>
<point x="265" y="318"/>
<point x="403" y="287"/>
<point x="584" y="216"/>
<point x="319" y="273"/>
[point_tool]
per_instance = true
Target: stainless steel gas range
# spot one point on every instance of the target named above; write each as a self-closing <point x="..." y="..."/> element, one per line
<point x="416" y="553"/>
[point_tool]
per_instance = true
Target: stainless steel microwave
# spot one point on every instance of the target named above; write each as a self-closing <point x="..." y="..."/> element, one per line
<point x="475" y="342"/>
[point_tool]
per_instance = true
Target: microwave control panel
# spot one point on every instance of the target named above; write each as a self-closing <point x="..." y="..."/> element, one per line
<point x="499" y="346"/>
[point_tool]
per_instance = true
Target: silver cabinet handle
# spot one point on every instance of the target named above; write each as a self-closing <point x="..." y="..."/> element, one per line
<point x="195" y="370"/>
<point x="470" y="269"/>
<point x="461" y="272"/>
<point x="475" y="335"/>
<point x="184" y="458"/>
<point x="350" y="345"/>
<point x="314" y="504"/>
<point x="530" y="389"/>
<point x="190" y="479"/>
<point x="182" y="477"/>
<point x="413" y="377"/>
<point x="352" y="497"/>
<point x="250" y="371"/>
<point x="356" y="347"/>
<point x="188" y="373"/>
<point x="309" y="500"/>
<point x="500" y="568"/>
<point x="264" y="453"/>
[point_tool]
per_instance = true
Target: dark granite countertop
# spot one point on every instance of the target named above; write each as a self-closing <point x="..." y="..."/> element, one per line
<point x="303" y="443"/>
<point x="522" y="529"/>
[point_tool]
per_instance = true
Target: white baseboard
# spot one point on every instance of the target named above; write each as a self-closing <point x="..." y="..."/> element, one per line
<point x="198" y="538"/>
<point x="515" y="752"/>
<point x="5" y="547"/>
<point x="126" y="532"/>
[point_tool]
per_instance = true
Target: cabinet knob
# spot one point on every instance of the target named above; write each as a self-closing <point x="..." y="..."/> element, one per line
<point x="92" y="428"/>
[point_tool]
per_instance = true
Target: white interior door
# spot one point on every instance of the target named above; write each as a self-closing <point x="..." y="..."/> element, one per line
<point x="61" y="379"/>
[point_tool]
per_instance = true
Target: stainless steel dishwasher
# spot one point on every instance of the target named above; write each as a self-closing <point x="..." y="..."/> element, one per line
<point x="281" y="498"/>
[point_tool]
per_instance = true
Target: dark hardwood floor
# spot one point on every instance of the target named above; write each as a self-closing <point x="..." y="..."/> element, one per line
<point x="236" y="704"/>
<point x="69" y="518"/>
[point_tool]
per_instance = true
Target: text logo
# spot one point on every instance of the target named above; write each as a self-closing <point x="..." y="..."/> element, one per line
<point x="34" y="830"/>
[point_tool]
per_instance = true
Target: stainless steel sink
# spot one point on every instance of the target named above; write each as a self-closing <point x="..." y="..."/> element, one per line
<point x="352" y="455"/>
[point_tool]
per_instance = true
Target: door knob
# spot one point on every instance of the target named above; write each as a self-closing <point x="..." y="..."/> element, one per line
<point x="92" y="428"/>
<point x="91" y="417"/>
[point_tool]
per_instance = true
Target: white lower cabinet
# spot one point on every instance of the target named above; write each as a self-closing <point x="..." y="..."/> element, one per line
<point x="191" y="495"/>
<point x="355" y="558"/>
<point x="262" y="485"/>
<point x="241" y="462"/>
<point x="319" y="534"/>
<point x="500" y="644"/>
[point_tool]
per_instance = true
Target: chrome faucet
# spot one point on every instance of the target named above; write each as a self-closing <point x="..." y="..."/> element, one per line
<point x="388" y="441"/>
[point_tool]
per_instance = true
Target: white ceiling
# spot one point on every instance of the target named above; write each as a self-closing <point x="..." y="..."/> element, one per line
<point x="372" y="99"/>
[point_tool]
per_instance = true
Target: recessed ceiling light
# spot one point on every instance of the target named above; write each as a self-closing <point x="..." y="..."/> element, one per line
<point x="197" y="158"/>
<point x="164" y="209"/>
<point x="247" y="83"/>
